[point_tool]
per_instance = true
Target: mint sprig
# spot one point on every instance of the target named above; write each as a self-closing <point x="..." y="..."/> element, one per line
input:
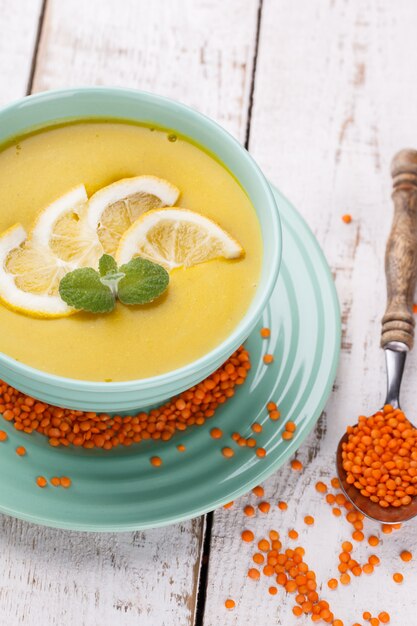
<point x="141" y="281"/>
<point x="138" y="282"/>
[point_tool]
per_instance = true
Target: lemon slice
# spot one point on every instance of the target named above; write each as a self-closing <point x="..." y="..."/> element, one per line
<point x="113" y="209"/>
<point x="62" y="229"/>
<point x="176" y="238"/>
<point x="30" y="276"/>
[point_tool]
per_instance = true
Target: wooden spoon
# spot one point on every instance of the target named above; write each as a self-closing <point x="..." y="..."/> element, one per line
<point x="398" y="323"/>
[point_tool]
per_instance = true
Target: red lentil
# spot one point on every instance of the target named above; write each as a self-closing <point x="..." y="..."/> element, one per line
<point x="282" y="505"/>
<point x="264" y="507"/>
<point x="397" y="577"/>
<point x="3" y="435"/>
<point x="216" y="433"/>
<point x="21" y="451"/>
<point x="268" y="358"/>
<point x="65" y="427"/>
<point x="41" y="481"/>
<point x="265" y="333"/>
<point x="296" y="465"/>
<point x="406" y="555"/>
<point x="247" y="535"/>
<point x="274" y="415"/>
<point x="358" y="535"/>
<point x="347" y="218"/>
<point x="249" y="510"/>
<point x="379" y="457"/>
<point x="230" y="604"/>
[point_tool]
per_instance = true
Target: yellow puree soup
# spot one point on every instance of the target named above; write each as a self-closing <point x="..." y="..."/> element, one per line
<point x="202" y="305"/>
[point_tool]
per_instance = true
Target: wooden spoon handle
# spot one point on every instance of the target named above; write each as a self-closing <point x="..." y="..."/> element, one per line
<point x="401" y="253"/>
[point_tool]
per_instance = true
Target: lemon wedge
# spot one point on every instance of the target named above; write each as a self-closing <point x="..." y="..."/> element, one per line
<point x="113" y="209"/>
<point x="30" y="276"/>
<point x="176" y="237"/>
<point x="31" y="267"/>
<point x="62" y="229"/>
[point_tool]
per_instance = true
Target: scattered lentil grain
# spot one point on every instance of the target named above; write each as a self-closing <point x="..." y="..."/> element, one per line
<point x="249" y="510"/>
<point x="406" y="555"/>
<point x="264" y="507"/>
<point x="247" y="535"/>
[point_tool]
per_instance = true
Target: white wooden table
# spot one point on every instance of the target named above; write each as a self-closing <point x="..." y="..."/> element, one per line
<point x="322" y="92"/>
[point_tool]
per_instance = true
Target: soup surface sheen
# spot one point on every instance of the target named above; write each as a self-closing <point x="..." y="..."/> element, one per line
<point x="203" y="303"/>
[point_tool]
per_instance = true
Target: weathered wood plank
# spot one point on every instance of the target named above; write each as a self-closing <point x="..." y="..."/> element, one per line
<point x="61" y="578"/>
<point x="200" y="52"/>
<point x="333" y="101"/>
<point x="19" y="22"/>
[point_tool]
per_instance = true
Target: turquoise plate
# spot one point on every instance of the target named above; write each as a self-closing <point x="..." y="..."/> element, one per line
<point x="120" y="490"/>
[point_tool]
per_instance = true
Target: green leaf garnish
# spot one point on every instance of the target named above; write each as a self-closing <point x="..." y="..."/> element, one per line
<point x="83" y="289"/>
<point x="107" y="265"/>
<point x="143" y="281"/>
<point x="138" y="282"/>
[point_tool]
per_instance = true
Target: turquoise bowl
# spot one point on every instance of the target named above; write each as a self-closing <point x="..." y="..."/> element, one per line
<point x="126" y="104"/>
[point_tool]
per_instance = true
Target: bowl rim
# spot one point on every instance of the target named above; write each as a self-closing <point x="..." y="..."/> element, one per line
<point x="243" y="328"/>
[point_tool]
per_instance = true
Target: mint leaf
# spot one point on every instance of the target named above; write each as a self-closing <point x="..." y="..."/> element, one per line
<point x="107" y="265"/>
<point x="143" y="282"/>
<point x="83" y="289"/>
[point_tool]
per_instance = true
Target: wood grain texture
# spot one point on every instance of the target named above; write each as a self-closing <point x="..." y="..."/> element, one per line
<point x="199" y="52"/>
<point x="401" y="253"/>
<point x="19" y="21"/>
<point x="333" y="102"/>
<point x="57" y="578"/>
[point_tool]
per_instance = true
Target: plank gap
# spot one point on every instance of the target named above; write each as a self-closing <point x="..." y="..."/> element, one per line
<point x="209" y="519"/>
<point x="36" y="47"/>
<point x="252" y="84"/>
<point x="203" y="574"/>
